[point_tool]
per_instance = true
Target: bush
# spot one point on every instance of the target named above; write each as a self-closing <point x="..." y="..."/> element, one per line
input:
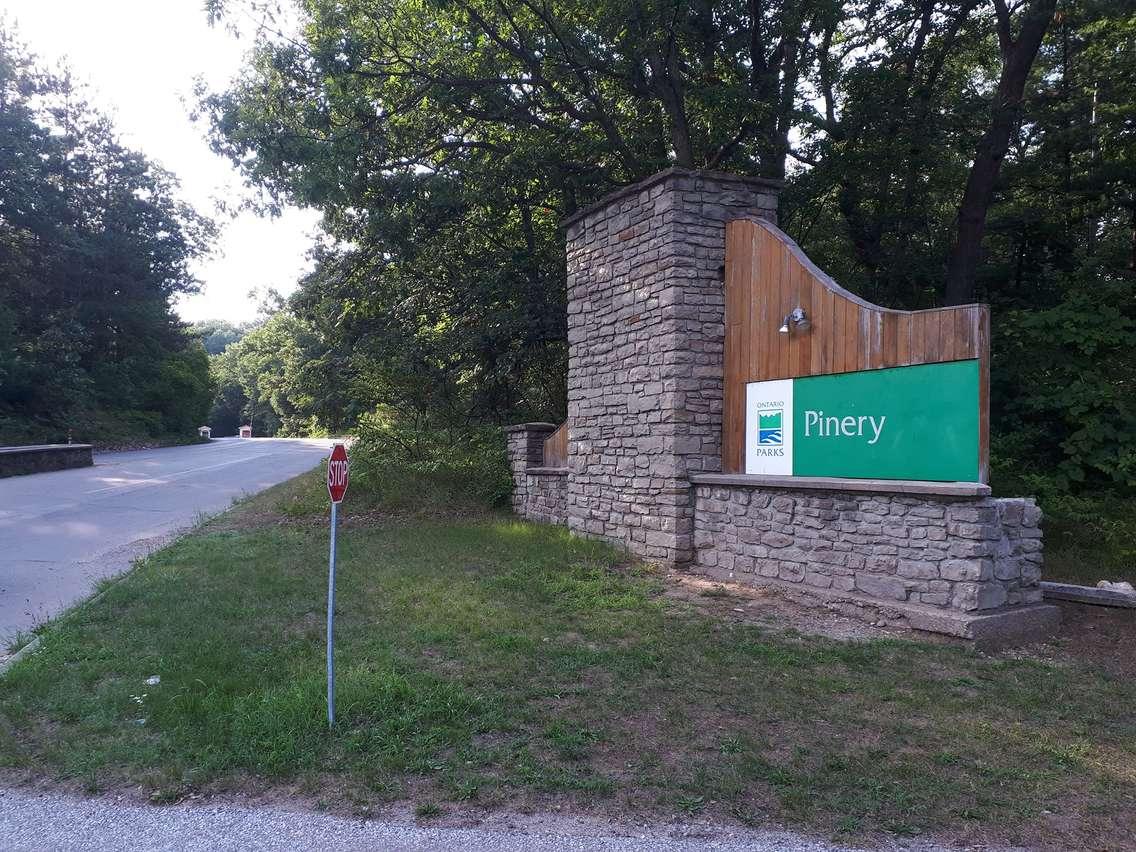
<point x="1064" y="403"/>
<point x="448" y="467"/>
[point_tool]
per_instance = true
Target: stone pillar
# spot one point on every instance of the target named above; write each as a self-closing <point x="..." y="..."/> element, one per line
<point x="646" y="325"/>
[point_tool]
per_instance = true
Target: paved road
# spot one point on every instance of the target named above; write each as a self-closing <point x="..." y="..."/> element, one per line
<point x="31" y="821"/>
<point x="62" y="531"/>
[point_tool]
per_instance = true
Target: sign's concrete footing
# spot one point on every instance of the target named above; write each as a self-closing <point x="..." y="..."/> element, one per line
<point x="1017" y="625"/>
<point x="1008" y="626"/>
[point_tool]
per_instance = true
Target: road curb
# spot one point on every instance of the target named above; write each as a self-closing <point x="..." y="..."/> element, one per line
<point x="25" y="651"/>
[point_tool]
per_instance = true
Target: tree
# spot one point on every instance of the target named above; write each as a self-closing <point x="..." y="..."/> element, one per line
<point x="1018" y="54"/>
<point x="217" y="335"/>
<point x="444" y="141"/>
<point x="268" y="378"/>
<point x="94" y="244"/>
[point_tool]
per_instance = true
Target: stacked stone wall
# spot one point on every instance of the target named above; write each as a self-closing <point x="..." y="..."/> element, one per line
<point x="646" y="326"/>
<point x="962" y="555"/>
<point x="546" y="497"/>
<point x="539" y="493"/>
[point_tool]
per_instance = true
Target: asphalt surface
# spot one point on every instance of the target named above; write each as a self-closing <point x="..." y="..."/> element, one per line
<point x="40" y="821"/>
<point x="60" y="532"/>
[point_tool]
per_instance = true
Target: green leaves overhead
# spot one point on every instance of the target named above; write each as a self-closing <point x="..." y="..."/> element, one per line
<point x="444" y="139"/>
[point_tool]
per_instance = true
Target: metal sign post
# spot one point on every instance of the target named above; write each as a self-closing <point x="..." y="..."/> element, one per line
<point x="331" y="621"/>
<point x="336" y="488"/>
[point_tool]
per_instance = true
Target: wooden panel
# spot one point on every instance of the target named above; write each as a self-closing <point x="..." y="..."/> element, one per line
<point x="802" y="284"/>
<point x="982" y="345"/>
<point x="767" y="276"/>
<point x="556" y="447"/>
<point x="823" y="318"/>
<point x="890" y="340"/>
<point x="903" y="341"/>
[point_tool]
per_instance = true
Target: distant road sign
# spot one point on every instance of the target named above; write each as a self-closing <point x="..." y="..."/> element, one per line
<point x="337" y="473"/>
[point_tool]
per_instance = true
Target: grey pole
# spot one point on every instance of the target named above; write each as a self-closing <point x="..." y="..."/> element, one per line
<point x="331" y="622"/>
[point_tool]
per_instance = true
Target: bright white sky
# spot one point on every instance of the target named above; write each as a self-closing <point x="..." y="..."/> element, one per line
<point x="140" y="58"/>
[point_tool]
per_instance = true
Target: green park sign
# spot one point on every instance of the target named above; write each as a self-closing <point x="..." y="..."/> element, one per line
<point x="917" y="422"/>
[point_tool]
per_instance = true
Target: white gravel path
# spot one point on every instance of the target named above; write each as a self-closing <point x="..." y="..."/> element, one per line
<point x="31" y="820"/>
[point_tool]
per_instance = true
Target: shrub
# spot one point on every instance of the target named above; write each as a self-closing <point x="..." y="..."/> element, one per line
<point x="447" y="466"/>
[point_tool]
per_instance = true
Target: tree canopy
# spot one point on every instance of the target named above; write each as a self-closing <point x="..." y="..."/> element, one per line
<point x="218" y="335"/>
<point x="934" y="152"/>
<point x="94" y="244"/>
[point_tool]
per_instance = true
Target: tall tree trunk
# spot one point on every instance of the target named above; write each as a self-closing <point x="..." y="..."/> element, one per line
<point x="666" y="84"/>
<point x="1017" y="60"/>
<point x="1132" y="244"/>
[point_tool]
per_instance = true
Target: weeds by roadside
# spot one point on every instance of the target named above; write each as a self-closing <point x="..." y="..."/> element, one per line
<point x="18" y="641"/>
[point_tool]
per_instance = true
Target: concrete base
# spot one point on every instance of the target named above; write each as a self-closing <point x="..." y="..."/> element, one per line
<point x="1087" y="595"/>
<point x="987" y="629"/>
<point x="998" y="628"/>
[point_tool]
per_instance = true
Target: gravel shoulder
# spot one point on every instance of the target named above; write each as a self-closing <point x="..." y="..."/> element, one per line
<point x="32" y="820"/>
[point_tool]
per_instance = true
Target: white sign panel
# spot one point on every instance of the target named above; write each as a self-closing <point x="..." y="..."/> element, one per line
<point x="769" y="427"/>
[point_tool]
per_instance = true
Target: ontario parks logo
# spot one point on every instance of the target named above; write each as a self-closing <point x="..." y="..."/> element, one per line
<point x="769" y="428"/>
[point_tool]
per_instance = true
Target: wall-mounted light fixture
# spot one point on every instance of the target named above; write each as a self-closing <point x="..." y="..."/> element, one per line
<point x="797" y="318"/>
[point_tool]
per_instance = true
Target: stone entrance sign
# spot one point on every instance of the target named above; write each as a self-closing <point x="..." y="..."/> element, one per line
<point x="700" y="336"/>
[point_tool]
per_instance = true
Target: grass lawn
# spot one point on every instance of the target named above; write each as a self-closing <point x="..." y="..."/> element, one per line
<point x="487" y="662"/>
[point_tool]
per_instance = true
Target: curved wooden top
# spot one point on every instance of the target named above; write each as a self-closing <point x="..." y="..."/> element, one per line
<point x="767" y="276"/>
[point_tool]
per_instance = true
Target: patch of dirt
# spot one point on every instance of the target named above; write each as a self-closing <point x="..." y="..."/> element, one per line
<point x="1100" y="636"/>
<point x="766" y="607"/>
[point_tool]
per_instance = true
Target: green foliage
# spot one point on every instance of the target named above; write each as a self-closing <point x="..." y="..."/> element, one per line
<point x="272" y="378"/>
<point x="1089" y="538"/>
<point x="1062" y="381"/>
<point x="94" y="244"/>
<point x="407" y="464"/>
<point x="400" y="469"/>
<point x="218" y="335"/>
<point x="444" y="142"/>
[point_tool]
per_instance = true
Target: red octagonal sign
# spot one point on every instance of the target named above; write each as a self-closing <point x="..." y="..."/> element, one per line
<point x="337" y="473"/>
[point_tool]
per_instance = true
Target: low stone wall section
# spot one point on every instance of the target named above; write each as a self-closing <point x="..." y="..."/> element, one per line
<point x="963" y="555"/>
<point x="17" y="461"/>
<point x="546" y="491"/>
<point x="539" y="493"/>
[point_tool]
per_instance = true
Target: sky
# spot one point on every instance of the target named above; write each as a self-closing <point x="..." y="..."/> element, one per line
<point x="140" y="58"/>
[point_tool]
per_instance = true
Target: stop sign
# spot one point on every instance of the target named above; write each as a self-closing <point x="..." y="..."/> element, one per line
<point x="337" y="473"/>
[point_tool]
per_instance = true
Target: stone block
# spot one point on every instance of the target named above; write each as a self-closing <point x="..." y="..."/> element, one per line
<point x="991" y="596"/>
<point x="793" y="572"/>
<point x="815" y="578"/>
<point x="886" y="588"/>
<point x="1007" y="568"/>
<point x="912" y="570"/>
